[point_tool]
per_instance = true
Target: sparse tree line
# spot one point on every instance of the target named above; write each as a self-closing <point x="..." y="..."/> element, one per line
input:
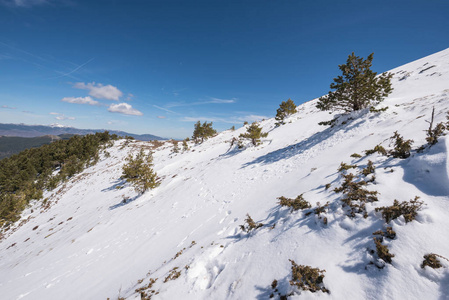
<point x="357" y="88"/>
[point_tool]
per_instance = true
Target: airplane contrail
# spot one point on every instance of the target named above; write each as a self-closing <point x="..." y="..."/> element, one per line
<point x="73" y="71"/>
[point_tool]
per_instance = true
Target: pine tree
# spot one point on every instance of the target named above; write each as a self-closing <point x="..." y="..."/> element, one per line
<point x="286" y="108"/>
<point x="138" y="171"/>
<point x="175" y="147"/>
<point x="203" y="132"/>
<point x="254" y="133"/>
<point x="357" y="88"/>
<point x="185" y="147"/>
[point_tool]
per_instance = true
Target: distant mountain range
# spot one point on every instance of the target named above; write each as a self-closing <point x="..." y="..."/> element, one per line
<point x="22" y="130"/>
<point x="15" y="138"/>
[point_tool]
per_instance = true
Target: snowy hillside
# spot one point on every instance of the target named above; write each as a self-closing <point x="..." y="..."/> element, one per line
<point x="87" y="243"/>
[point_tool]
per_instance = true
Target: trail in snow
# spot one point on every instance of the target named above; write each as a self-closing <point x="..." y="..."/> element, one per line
<point x="88" y="243"/>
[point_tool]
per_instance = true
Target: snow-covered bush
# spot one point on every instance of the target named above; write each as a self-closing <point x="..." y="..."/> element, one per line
<point x="250" y="224"/>
<point x="382" y="251"/>
<point x="407" y="209"/>
<point x="345" y="167"/>
<point x="185" y="146"/>
<point x="174" y="274"/>
<point x="355" y="195"/>
<point x="431" y="260"/>
<point x="175" y="147"/>
<point x="298" y="203"/>
<point x="378" y="148"/>
<point x="370" y="168"/>
<point x="389" y="233"/>
<point x="307" y="278"/>
<point x="402" y="147"/>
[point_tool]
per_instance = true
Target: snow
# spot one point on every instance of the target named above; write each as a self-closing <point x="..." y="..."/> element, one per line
<point x="90" y="245"/>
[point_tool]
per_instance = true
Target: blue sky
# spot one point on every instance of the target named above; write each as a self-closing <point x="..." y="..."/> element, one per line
<point x="159" y="66"/>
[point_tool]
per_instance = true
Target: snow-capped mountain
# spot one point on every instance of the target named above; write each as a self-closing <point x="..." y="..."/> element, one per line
<point x="183" y="240"/>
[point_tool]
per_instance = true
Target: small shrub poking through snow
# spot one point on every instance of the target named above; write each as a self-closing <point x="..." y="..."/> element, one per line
<point x="355" y="195"/>
<point x="378" y="148"/>
<point x="327" y="123"/>
<point x="374" y="110"/>
<point x="434" y="133"/>
<point x="298" y="203"/>
<point x="147" y="291"/>
<point x="185" y="147"/>
<point x="432" y="261"/>
<point x="370" y="168"/>
<point x="174" y="274"/>
<point x="250" y="224"/>
<point x="345" y="167"/>
<point x="307" y="278"/>
<point x="321" y="209"/>
<point x="407" y="209"/>
<point x="382" y="251"/>
<point x="356" y="155"/>
<point x="389" y="233"/>
<point x="175" y="147"/>
<point x="402" y="147"/>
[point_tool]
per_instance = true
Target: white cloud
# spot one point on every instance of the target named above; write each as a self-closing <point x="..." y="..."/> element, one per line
<point x="99" y="91"/>
<point x="252" y="118"/>
<point x="8" y="107"/>
<point x="124" y="108"/>
<point x="211" y="101"/>
<point x="60" y="116"/>
<point x="161" y="117"/>
<point x="64" y="118"/>
<point x="222" y="101"/>
<point x="80" y="100"/>
<point x="231" y="120"/>
<point x="23" y="3"/>
<point x="164" y="109"/>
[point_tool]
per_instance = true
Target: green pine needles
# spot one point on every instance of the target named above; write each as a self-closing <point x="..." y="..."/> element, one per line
<point x="357" y="88"/>
<point x="286" y="108"/>
<point x="24" y="176"/>
<point x="138" y="171"/>
<point x="254" y="134"/>
<point x="202" y="132"/>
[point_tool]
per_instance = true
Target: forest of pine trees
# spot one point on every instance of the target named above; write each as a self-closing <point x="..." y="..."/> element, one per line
<point x="24" y="176"/>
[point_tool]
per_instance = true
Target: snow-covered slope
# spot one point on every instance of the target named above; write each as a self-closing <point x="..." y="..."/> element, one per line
<point x="88" y="244"/>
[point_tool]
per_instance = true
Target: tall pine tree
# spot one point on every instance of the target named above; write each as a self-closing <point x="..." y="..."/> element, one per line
<point x="357" y="88"/>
